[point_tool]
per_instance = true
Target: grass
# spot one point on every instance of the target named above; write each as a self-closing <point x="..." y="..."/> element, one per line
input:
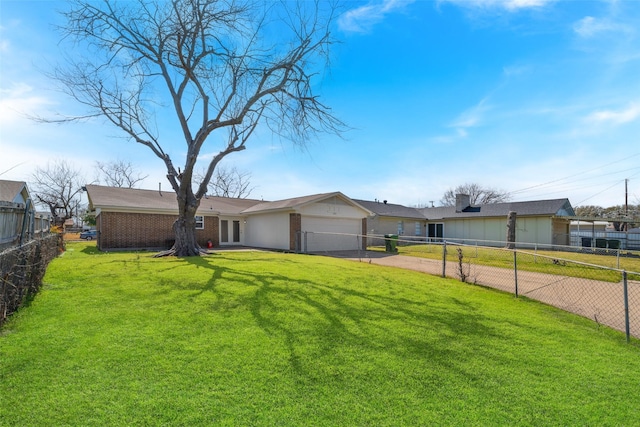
<point x="258" y="338"/>
<point x="540" y="261"/>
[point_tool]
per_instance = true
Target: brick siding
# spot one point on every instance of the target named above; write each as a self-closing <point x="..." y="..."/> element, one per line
<point x="295" y="231"/>
<point x="120" y="230"/>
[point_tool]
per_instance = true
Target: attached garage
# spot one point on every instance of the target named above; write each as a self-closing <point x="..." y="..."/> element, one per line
<point x="326" y="233"/>
<point x="322" y="222"/>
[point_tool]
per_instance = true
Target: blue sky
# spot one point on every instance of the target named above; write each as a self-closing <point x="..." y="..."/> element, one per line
<point x="538" y="98"/>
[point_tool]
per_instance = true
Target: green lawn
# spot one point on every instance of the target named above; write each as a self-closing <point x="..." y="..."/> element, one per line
<point x="259" y="338"/>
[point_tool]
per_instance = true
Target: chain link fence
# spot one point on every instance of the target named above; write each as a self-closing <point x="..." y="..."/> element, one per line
<point x="603" y="286"/>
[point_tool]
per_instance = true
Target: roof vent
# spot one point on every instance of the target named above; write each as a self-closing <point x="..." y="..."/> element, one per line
<point x="384" y="201"/>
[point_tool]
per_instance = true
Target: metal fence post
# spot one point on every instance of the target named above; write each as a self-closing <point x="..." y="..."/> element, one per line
<point x="515" y="270"/>
<point x="444" y="258"/>
<point x="305" y="242"/>
<point x="626" y="306"/>
<point x="25" y="220"/>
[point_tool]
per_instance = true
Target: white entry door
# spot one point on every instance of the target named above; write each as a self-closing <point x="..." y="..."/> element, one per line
<point x="231" y="232"/>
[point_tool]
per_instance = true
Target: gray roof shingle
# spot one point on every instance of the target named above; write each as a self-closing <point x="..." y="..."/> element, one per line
<point x="555" y="207"/>
<point x="390" y="209"/>
<point x="154" y="200"/>
<point x="9" y="190"/>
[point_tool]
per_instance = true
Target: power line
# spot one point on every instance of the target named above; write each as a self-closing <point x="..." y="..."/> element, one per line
<point x="12" y="168"/>
<point x="577" y="174"/>
<point x="600" y="192"/>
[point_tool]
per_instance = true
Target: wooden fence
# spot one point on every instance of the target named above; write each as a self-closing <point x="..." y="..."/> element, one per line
<point x="20" y="223"/>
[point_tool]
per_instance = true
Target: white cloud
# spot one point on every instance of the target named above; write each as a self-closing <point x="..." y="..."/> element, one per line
<point x="362" y="19"/>
<point x="18" y="101"/>
<point x="511" y="5"/>
<point x="616" y="117"/>
<point x="589" y="27"/>
<point x="515" y="70"/>
<point x="471" y="117"/>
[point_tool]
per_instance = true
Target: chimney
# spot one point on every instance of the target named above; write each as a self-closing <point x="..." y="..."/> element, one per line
<point x="463" y="201"/>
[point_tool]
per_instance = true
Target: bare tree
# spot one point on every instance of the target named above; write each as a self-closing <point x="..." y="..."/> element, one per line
<point x="219" y="66"/>
<point x="231" y="183"/>
<point x="118" y="173"/>
<point x="59" y="188"/>
<point x="478" y="195"/>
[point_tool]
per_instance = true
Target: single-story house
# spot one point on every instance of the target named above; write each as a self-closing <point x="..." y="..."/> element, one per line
<point x="132" y="218"/>
<point x="389" y="218"/>
<point x="15" y="200"/>
<point x="540" y="221"/>
<point x="14" y="192"/>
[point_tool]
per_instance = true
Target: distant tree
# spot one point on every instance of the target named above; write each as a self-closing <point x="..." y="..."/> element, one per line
<point x="589" y="211"/>
<point x="218" y="68"/>
<point x="231" y="183"/>
<point x="611" y="213"/>
<point x="58" y="187"/>
<point x="89" y="218"/>
<point x="478" y="195"/>
<point x="118" y="173"/>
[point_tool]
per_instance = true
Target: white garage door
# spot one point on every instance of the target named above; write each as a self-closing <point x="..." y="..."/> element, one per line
<point x="331" y="234"/>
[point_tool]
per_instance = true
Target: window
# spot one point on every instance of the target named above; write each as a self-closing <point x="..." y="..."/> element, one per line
<point x="418" y="228"/>
<point x="199" y="222"/>
<point x="224" y="231"/>
<point x="236" y="231"/>
<point x="400" y="227"/>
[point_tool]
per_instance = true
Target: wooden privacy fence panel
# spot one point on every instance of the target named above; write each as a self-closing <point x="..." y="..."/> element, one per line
<point x="15" y="228"/>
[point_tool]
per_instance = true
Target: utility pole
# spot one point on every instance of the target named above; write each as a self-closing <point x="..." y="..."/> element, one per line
<point x="626" y="197"/>
<point x="626" y="203"/>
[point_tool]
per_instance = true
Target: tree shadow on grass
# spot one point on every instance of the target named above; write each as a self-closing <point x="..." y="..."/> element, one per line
<point x="91" y="250"/>
<point x="326" y="322"/>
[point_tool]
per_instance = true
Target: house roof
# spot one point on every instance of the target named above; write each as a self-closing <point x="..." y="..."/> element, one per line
<point x="129" y="199"/>
<point x="152" y="200"/>
<point x="299" y="202"/>
<point x="13" y="191"/>
<point x="554" y="207"/>
<point x="390" y="209"/>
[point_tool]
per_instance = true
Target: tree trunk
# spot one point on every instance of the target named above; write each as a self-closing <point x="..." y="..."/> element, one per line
<point x="184" y="227"/>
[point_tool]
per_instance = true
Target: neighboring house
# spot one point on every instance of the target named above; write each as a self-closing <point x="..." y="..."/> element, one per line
<point x="15" y="227"/>
<point x="14" y="192"/>
<point x="538" y="221"/>
<point x="132" y="218"/>
<point x="591" y="226"/>
<point x="389" y="218"/>
<point x="541" y="221"/>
